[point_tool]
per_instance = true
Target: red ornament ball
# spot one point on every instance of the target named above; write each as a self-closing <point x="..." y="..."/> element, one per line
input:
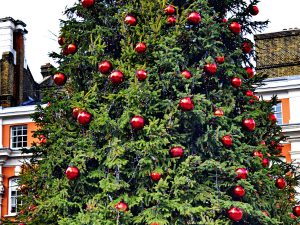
<point x="84" y="118"/>
<point x="249" y="93"/>
<point x="194" y="18"/>
<point x="72" y="172"/>
<point x="22" y="224"/>
<point x="141" y="47"/>
<point x="59" y="79"/>
<point x="141" y="75"/>
<point x="171" y="20"/>
<point x="220" y="59"/>
<point x="61" y="40"/>
<point x="238" y="191"/>
<point x="241" y="173"/>
<point x="296" y="210"/>
<point x="254" y="10"/>
<point x="235" y="214"/>
<point x="186" y="104"/>
<point x="258" y="154"/>
<point x="130" y="20"/>
<point x="187" y="74"/>
<point x="42" y="139"/>
<point x="121" y="206"/>
<point x="137" y="122"/>
<point x="272" y="118"/>
<point x="116" y="77"/>
<point x="155" y="176"/>
<point x="280" y="183"/>
<point x="236" y="82"/>
<point x="154" y="223"/>
<point x="235" y="27"/>
<point x="211" y="68"/>
<point x="250" y="72"/>
<point x="87" y="3"/>
<point x="218" y="112"/>
<point x="176" y="151"/>
<point x="247" y="47"/>
<point x="76" y="111"/>
<point x="227" y="141"/>
<point x="72" y="48"/>
<point x="169" y="10"/>
<point x="265" y="162"/>
<point x="105" y="67"/>
<point x="249" y="124"/>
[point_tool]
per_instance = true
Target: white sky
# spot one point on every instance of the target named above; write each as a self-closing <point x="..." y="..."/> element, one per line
<point x="42" y="20"/>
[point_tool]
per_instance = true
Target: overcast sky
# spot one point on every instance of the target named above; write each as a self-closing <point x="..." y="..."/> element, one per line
<point x="42" y="19"/>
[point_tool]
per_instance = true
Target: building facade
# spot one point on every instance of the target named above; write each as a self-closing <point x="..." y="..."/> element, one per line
<point x="278" y="56"/>
<point x="18" y="95"/>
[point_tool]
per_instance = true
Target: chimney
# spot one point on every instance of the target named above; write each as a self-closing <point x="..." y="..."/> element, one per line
<point x="12" y="63"/>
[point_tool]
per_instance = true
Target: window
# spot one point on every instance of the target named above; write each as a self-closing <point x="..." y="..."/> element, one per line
<point x="18" y="137"/>
<point x="277" y="109"/>
<point x="13" y="196"/>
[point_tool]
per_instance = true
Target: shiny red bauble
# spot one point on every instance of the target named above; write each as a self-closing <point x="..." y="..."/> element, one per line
<point x="116" y="77"/>
<point x="220" y="59"/>
<point x="137" y="122"/>
<point x="265" y="162"/>
<point x="235" y="214"/>
<point x="249" y="93"/>
<point x="272" y="117"/>
<point x="121" y="206"/>
<point x="105" y="67"/>
<point x="227" y="141"/>
<point x="238" y="191"/>
<point x="59" y="79"/>
<point x="155" y="176"/>
<point x="250" y="72"/>
<point x="249" y="124"/>
<point x="76" y="111"/>
<point x="141" y="75"/>
<point x="176" y="151"/>
<point x="247" y="47"/>
<point x="211" y="68"/>
<point x="84" y="118"/>
<point x="194" y="18"/>
<point x="241" y="173"/>
<point x="171" y="20"/>
<point x="258" y="154"/>
<point x="169" y="10"/>
<point x="42" y="139"/>
<point x="254" y="10"/>
<point x="296" y="210"/>
<point x="141" y="47"/>
<point x="61" y="40"/>
<point x="186" y="104"/>
<point x="72" y="48"/>
<point x="218" y="112"/>
<point x="187" y="74"/>
<point x="154" y="223"/>
<point x="21" y="223"/>
<point x="236" y="82"/>
<point x="280" y="183"/>
<point x="130" y="20"/>
<point x="72" y="172"/>
<point x="224" y="20"/>
<point x="235" y="27"/>
<point x="87" y="3"/>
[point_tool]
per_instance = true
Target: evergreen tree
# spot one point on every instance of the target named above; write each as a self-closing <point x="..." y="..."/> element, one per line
<point x="154" y="120"/>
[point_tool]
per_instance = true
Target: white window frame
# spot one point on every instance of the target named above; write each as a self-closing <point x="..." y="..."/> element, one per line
<point x="277" y="113"/>
<point x="13" y="181"/>
<point x="12" y="136"/>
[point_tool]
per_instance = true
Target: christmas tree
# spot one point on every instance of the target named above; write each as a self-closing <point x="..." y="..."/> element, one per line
<point x="153" y="120"/>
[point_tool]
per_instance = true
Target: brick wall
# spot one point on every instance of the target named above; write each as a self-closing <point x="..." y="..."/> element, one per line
<point x="278" y="54"/>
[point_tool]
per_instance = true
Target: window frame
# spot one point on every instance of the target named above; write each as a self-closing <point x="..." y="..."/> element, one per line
<point x="276" y="113"/>
<point x="22" y="136"/>
<point x="16" y="186"/>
